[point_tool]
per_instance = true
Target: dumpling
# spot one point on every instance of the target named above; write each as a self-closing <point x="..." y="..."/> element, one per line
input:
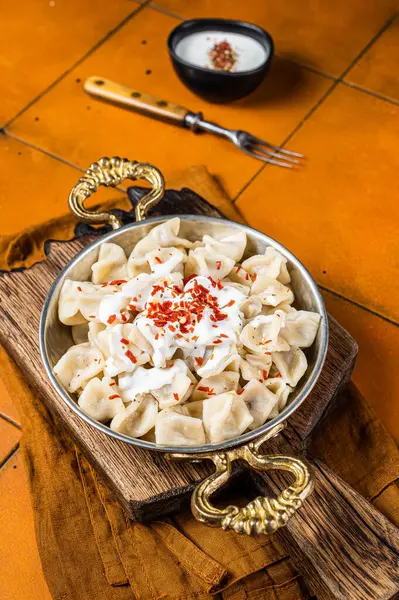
<point x="292" y="364"/>
<point x="260" y="402"/>
<point x="170" y="386"/>
<point x="240" y="275"/>
<point x="262" y="334"/>
<point x="138" y="418"/>
<point x="163" y="235"/>
<point x="244" y="289"/>
<point x="78" y="365"/>
<point x="111" y="264"/>
<point x="121" y="354"/>
<point x="232" y="246"/>
<point x="225" y="417"/>
<point x="175" y="427"/>
<point x="251" y="307"/>
<point x="282" y="390"/>
<point x="215" y="385"/>
<point x="270" y="291"/>
<point x="138" y="290"/>
<point x="114" y="309"/>
<point x="73" y="296"/>
<point x="300" y="328"/>
<point x="269" y="310"/>
<point x="272" y="262"/>
<point x="91" y="297"/>
<point x="164" y="261"/>
<point x="101" y="400"/>
<point x="255" y="366"/>
<point x="217" y="359"/>
<point x="209" y="264"/>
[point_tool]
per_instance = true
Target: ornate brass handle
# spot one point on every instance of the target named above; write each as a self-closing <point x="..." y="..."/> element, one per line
<point x="110" y="172"/>
<point x="262" y="515"/>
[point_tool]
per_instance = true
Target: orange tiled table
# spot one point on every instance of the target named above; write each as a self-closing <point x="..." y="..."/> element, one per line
<point x="333" y="92"/>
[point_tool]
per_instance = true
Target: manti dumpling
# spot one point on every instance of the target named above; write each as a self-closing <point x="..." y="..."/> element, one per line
<point x="171" y="385"/>
<point x="209" y="264"/>
<point x="120" y="353"/>
<point x="101" y="400"/>
<point x="270" y="291"/>
<point x="225" y="417"/>
<point x="272" y="263"/>
<point x="300" y="328"/>
<point x="260" y="402"/>
<point x="215" y="385"/>
<point x="111" y="264"/>
<point x="232" y="246"/>
<point x="255" y="366"/>
<point x="138" y="418"/>
<point x="80" y="300"/>
<point x="175" y="427"/>
<point x="163" y="235"/>
<point x="292" y="364"/>
<point x="262" y="335"/>
<point x="79" y="364"/>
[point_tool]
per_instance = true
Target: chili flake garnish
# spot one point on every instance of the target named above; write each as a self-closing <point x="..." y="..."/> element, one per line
<point x="112" y="383"/>
<point x="171" y="328"/>
<point x="208" y="390"/>
<point x="125" y="341"/>
<point x="124" y="318"/>
<point x="199" y="361"/>
<point x="264" y="374"/>
<point x="223" y="335"/>
<point x="131" y="356"/>
<point x="278" y="375"/>
<point x="268" y="353"/>
<point x="222" y="56"/>
<point x="217" y="342"/>
<point x="79" y="288"/>
<point x="176" y="396"/>
<point x="189" y="278"/>
<point x="93" y="316"/>
<point x="241" y="391"/>
<point x="218" y="265"/>
<point x="158" y="260"/>
<point x="254" y="276"/>
<point x="114" y="396"/>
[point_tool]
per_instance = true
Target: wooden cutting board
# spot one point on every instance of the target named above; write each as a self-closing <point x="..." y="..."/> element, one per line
<point x="338" y="541"/>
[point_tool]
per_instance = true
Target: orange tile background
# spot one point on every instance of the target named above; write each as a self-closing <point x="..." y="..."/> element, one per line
<point x="332" y="92"/>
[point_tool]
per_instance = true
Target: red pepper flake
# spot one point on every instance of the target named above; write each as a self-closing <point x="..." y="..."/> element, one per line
<point x="158" y="260"/>
<point x="179" y="335"/>
<point x="131" y="356"/>
<point x="264" y="374"/>
<point x="222" y="56"/>
<point x="176" y="396"/>
<point x="194" y="338"/>
<point x="241" y="391"/>
<point x="92" y="316"/>
<point x="238" y="269"/>
<point x="266" y="342"/>
<point x="189" y="278"/>
<point x="230" y="303"/>
<point x="213" y="282"/>
<point x="79" y="288"/>
<point x="268" y="353"/>
<point x="218" y="265"/>
<point x="223" y="335"/>
<point x="132" y="307"/>
<point x="246" y="276"/>
<point x="215" y="326"/>
<point x="199" y="361"/>
<point x="124" y="318"/>
<point x="171" y="328"/>
<point x="114" y="396"/>
<point x="156" y="336"/>
<point x="112" y="383"/>
<point x="155" y="289"/>
<point x="254" y="276"/>
<point x="177" y="289"/>
<point x="219" y="284"/>
<point x="278" y="375"/>
<point x="117" y="282"/>
<point x="206" y="389"/>
<point x="217" y="342"/>
<point x="125" y="341"/>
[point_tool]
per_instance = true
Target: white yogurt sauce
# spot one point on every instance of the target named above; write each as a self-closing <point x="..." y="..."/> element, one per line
<point x="194" y="49"/>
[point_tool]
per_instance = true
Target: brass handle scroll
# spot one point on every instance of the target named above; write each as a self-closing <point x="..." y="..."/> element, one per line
<point x="264" y="514"/>
<point x="110" y="172"/>
<point x="138" y="101"/>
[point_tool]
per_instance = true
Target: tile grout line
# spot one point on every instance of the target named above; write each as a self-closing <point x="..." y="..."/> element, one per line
<point x="370" y="92"/>
<point x="9" y="455"/>
<point x="323" y="98"/>
<point x="358" y="305"/>
<point x="97" y="45"/>
<point x="10" y="420"/>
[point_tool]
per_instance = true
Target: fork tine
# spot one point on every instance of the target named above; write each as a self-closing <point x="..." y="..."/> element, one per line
<point x="252" y="139"/>
<point x="265" y="159"/>
<point x="275" y="154"/>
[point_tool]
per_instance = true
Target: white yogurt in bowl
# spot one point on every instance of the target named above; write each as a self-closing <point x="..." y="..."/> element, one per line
<point x="195" y="48"/>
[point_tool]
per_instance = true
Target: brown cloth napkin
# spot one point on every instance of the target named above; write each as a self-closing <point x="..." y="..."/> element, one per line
<point x="90" y="550"/>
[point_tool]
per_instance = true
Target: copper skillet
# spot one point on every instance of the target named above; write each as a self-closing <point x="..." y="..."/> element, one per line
<point x="264" y="514"/>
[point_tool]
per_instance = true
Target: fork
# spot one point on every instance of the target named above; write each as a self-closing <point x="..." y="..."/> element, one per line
<point x="166" y="111"/>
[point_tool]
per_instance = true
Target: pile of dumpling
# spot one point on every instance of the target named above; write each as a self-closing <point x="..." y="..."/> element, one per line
<point x="181" y="343"/>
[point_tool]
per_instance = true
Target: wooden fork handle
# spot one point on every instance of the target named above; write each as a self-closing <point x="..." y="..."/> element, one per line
<point x="135" y="100"/>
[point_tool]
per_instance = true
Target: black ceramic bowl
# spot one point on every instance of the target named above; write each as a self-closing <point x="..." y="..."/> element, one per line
<point x="213" y="85"/>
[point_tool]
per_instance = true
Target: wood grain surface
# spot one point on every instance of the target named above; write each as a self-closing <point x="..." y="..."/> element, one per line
<point x="342" y="545"/>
